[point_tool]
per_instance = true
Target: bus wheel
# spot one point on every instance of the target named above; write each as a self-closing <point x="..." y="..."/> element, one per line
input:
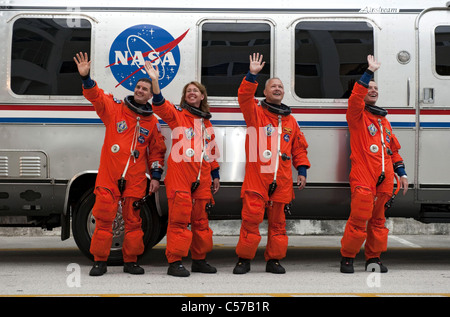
<point x="83" y="226"/>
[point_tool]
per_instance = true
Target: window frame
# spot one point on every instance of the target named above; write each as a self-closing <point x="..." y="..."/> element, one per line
<point x="217" y="101"/>
<point x="325" y="101"/>
<point x="434" y="52"/>
<point x="42" y="98"/>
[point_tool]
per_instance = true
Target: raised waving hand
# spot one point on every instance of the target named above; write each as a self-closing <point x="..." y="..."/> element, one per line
<point x="373" y="63"/>
<point x="83" y="63"/>
<point x="153" y="73"/>
<point x="256" y="63"/>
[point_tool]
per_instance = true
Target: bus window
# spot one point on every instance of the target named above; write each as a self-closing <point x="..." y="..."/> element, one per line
<point x="42" y="55"/>
<point x="225" y="55"/>
<point x="330" y="57"/>
<point x="442" y="44"/>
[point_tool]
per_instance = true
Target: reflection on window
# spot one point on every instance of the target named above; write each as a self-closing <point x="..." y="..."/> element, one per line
<point x="42" y="55"/>
<point x="442" y="42"/>
<point x="225" y="55"/>
<point x="330" y="57"/>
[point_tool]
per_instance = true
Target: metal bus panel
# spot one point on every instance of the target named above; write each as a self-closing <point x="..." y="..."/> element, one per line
<point x="68" y="130"/>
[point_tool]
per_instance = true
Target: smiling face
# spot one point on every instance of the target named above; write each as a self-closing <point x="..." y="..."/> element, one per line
<point x="274" y="91"/>
<point x="193" y="96"/>
<point x="372" y="94"/>
<point x="142" y="92"/>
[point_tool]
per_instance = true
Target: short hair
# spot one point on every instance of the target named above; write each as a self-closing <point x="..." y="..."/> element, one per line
<point x="145" y="80"/>
<point x="267" y="81"/>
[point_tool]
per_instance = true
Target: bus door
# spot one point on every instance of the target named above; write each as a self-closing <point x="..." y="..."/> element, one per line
<point x="433" y="170"/>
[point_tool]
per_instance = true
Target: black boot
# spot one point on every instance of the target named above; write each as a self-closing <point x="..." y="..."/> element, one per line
<point x="274" y="266"/>
<point x="177" y="269"/>
<point x="132" y="268"/>
<point x="374" y="262"/>
<point x="98" y="269"/>
<point x="347" y="265"/>
<point x="242" y="267"/>
<point x="202" y="266"/>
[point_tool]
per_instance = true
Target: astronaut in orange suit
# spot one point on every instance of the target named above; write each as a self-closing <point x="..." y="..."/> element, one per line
<point x="133" y="144"/>
<point x="375" y="159"/>
<point x="274" y="143"/>
<point x="190" y="167"/>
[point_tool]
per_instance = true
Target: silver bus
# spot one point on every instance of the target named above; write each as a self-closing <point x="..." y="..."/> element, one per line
<point x="51" y="137"/>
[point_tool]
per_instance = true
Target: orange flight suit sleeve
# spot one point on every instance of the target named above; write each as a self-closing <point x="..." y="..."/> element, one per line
<point x="247" y="101"/>
<point x="167" y="112"/>
<point x="299" y="150"/>
<point x="101" y="102"/>
<point x="356" y="104"/>
<point x="157" y="149"/>
<point x="395" y="147"/>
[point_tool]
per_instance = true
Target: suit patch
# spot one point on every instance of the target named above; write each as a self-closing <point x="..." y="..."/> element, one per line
<point x="121" y="126"/>
<point x="372" y="129"/>
<point x="268" y="129"/>
<point x="189" y="132"/>
<point x="287" y="130"/>
<point x="143" y="131"/>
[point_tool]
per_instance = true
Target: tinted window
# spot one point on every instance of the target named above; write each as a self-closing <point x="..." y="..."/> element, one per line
<point x="442" y="41"/>
<point x="330" y="57"/>
<point x="225" y="55"/>
<point x="42" y="55"/>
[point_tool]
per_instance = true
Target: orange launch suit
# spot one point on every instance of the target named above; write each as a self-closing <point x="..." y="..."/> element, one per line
<point x="190" y="135"/>
<point x="261" y="150"/>
<point x="368" y="133"/>
<point x="121" y="132"/>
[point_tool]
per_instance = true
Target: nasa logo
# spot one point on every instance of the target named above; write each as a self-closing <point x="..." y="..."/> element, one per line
<point x="138" y="44"/>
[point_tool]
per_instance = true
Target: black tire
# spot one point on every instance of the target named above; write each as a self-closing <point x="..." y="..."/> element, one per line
<point x="83" y="225"/>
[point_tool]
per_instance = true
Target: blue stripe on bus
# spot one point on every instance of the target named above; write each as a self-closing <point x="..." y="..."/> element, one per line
<point x="435" y="124"/>
<point x="219" y="122"/>
<point x="51" y="120"/>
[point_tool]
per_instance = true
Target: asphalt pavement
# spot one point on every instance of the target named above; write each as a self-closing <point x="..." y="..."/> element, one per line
<point x="419" y="265"/>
